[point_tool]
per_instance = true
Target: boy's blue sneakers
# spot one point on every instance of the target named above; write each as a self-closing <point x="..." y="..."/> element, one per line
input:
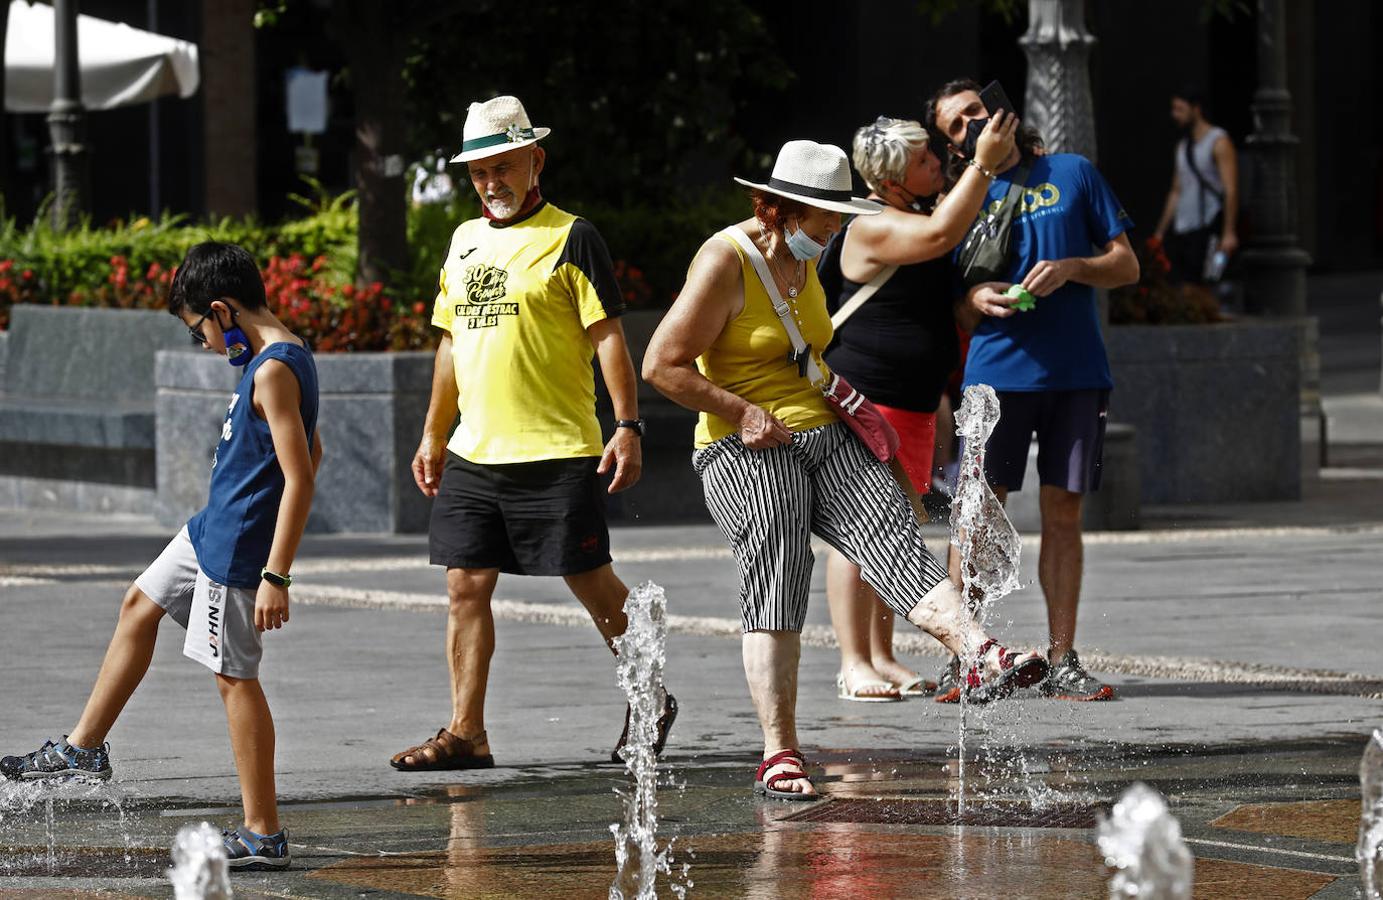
<point x="58" y="759"/>
<point x="247" y="850"/>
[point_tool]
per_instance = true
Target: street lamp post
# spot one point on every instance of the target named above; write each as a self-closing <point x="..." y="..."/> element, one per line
<point x="1274" y="264"/>
<point x="1058" y="102"/>
<point x="65" y="119"/>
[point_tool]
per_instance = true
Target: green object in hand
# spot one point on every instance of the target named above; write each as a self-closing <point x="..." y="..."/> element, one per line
<point x="1026" y="301"/>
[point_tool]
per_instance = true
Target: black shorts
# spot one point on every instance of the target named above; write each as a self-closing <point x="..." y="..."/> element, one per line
<point x="536" y="518"/>
<point x="1070" y="428"/>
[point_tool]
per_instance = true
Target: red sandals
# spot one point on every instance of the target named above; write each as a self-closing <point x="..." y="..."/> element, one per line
<point x="794" y="770"/>
<point x="1016" y="670"/>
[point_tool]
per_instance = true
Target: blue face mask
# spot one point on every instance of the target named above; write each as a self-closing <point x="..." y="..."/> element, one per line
<point x="802" y="246"/>
<point x="237" y="343"/>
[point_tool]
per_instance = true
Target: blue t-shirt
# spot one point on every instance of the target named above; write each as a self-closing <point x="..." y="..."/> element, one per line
<point x="1068" y="210"/>
<point x="233" y="534"/>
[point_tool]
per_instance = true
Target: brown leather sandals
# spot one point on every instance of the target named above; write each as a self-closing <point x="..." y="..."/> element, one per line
<point x="445" y="751"/>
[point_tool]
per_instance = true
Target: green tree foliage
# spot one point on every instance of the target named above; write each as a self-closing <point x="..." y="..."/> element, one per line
<point x="641" y="97"/>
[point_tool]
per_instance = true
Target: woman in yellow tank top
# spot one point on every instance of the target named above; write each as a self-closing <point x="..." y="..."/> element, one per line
<point x="777" y="465"/>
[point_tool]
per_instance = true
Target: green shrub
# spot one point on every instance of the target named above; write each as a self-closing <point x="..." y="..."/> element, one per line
<point x="128" y="264"/>
<point x="660" y="240"/>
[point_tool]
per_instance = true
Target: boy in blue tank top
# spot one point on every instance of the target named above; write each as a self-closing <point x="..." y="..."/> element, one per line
<point x="224" y="577"/>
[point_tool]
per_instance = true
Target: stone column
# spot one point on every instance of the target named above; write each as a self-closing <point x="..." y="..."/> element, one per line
<point x="1058" y="102"/>
<point x="1275" y="265"/>
<point x="66" y="120"/>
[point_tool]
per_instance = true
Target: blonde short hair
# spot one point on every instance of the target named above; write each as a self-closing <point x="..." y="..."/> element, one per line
<point x="882" y="149"/>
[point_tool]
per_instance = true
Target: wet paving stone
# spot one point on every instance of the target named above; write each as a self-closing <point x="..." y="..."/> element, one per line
<point x="945" y="812"/>
<point x="831" y="862"/>
<point x="1263" y="820"/>
<point x="1333" y="821"/>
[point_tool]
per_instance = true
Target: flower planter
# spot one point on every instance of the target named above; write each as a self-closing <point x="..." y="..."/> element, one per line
<point x="1216" y="407"/>
<point x="371" y="413"/>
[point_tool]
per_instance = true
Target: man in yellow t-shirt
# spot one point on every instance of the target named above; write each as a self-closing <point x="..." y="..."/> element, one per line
<point x="527" y="296"/>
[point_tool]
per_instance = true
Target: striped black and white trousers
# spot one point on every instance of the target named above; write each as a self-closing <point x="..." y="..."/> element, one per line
<point x="768" y="504"/>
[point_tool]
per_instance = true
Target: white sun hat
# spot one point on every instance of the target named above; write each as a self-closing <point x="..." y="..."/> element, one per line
<point x="496" y="126"/>
<point x="817" y="175"/>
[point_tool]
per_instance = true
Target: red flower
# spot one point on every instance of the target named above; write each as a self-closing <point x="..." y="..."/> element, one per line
<point x="6" y="265"/>
<point x="420" y="307"/>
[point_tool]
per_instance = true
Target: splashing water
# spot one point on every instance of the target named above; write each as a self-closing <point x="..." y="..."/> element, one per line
<point x="1369" y="850"/>
<point x="989" y="544"/>
<point x="199" y="864"/>
<point x="24" y="803"/>
<point x="1141" y="841"/>
<point x="642" y="653"/>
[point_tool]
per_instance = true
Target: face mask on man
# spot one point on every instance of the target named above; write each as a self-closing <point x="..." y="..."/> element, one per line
<point x="972" y="137"/>
<point x="802" y="245"/>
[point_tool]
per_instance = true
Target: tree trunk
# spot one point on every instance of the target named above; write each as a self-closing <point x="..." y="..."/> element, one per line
<point x="228" y="104"/>
<point x="375" y="47"/>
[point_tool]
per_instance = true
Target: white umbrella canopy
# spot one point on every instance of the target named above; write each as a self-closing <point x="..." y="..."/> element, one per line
<point x="120" y="65"/>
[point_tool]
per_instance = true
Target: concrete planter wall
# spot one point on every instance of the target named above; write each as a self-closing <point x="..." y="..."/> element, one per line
<point x="77" y="407"/>
<point x="372" y="407"/>
<point x="1216" y="407"/>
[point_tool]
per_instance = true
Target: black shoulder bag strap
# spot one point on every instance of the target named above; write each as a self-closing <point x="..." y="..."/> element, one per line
<point x="1206" y="187"/>
<point x="992" y="231"/>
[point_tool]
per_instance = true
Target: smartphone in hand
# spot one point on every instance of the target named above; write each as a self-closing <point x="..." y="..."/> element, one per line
<point x="994" y="99"/>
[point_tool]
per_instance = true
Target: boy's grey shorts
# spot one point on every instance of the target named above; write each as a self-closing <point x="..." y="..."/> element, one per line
<point x="220" y="620"/>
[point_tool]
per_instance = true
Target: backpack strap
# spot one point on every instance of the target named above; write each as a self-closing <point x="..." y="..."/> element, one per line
<point x="1206" y="186"/>
<point x="801" y="350"/>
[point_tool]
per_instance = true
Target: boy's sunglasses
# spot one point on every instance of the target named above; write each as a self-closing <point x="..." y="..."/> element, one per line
<point x="196" y="329"/>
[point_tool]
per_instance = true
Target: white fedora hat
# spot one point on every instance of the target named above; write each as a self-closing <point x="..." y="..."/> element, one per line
<point x="496" y="126"/>
<point x="817" y="175"/>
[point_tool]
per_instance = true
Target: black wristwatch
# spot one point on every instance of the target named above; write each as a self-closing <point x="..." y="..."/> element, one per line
<point x="636" y="424"/>
<point x="275" y="578"/>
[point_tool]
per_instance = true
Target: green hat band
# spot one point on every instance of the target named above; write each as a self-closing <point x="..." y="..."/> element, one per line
<point x="512" y="135"/>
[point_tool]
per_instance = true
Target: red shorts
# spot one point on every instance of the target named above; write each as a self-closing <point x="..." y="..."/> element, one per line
<point x="917" y="436"/>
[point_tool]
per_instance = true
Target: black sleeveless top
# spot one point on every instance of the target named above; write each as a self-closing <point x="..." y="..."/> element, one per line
<point x="900" y="347"/>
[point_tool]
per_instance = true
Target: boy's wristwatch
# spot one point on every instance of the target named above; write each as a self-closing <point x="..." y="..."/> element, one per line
<point x="636" y="424"/>
<point x="275" y="578"/>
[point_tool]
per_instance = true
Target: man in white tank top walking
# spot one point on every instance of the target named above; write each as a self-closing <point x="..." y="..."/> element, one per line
<point x="1203" y="203"/>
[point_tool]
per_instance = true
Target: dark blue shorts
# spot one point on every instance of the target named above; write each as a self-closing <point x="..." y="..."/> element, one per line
<point x="1070" y="438"/>
<point x="533" y="518"/>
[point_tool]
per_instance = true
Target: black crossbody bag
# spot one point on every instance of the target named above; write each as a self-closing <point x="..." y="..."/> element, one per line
<point x="984" y="254"/>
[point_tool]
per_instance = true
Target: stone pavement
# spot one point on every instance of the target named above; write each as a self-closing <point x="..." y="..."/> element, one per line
<point x="1243" y="640"/>
<point x="1246" y="659"/>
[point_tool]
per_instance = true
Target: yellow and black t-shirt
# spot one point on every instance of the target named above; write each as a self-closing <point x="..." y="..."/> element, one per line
<point x="517" y="298"/>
